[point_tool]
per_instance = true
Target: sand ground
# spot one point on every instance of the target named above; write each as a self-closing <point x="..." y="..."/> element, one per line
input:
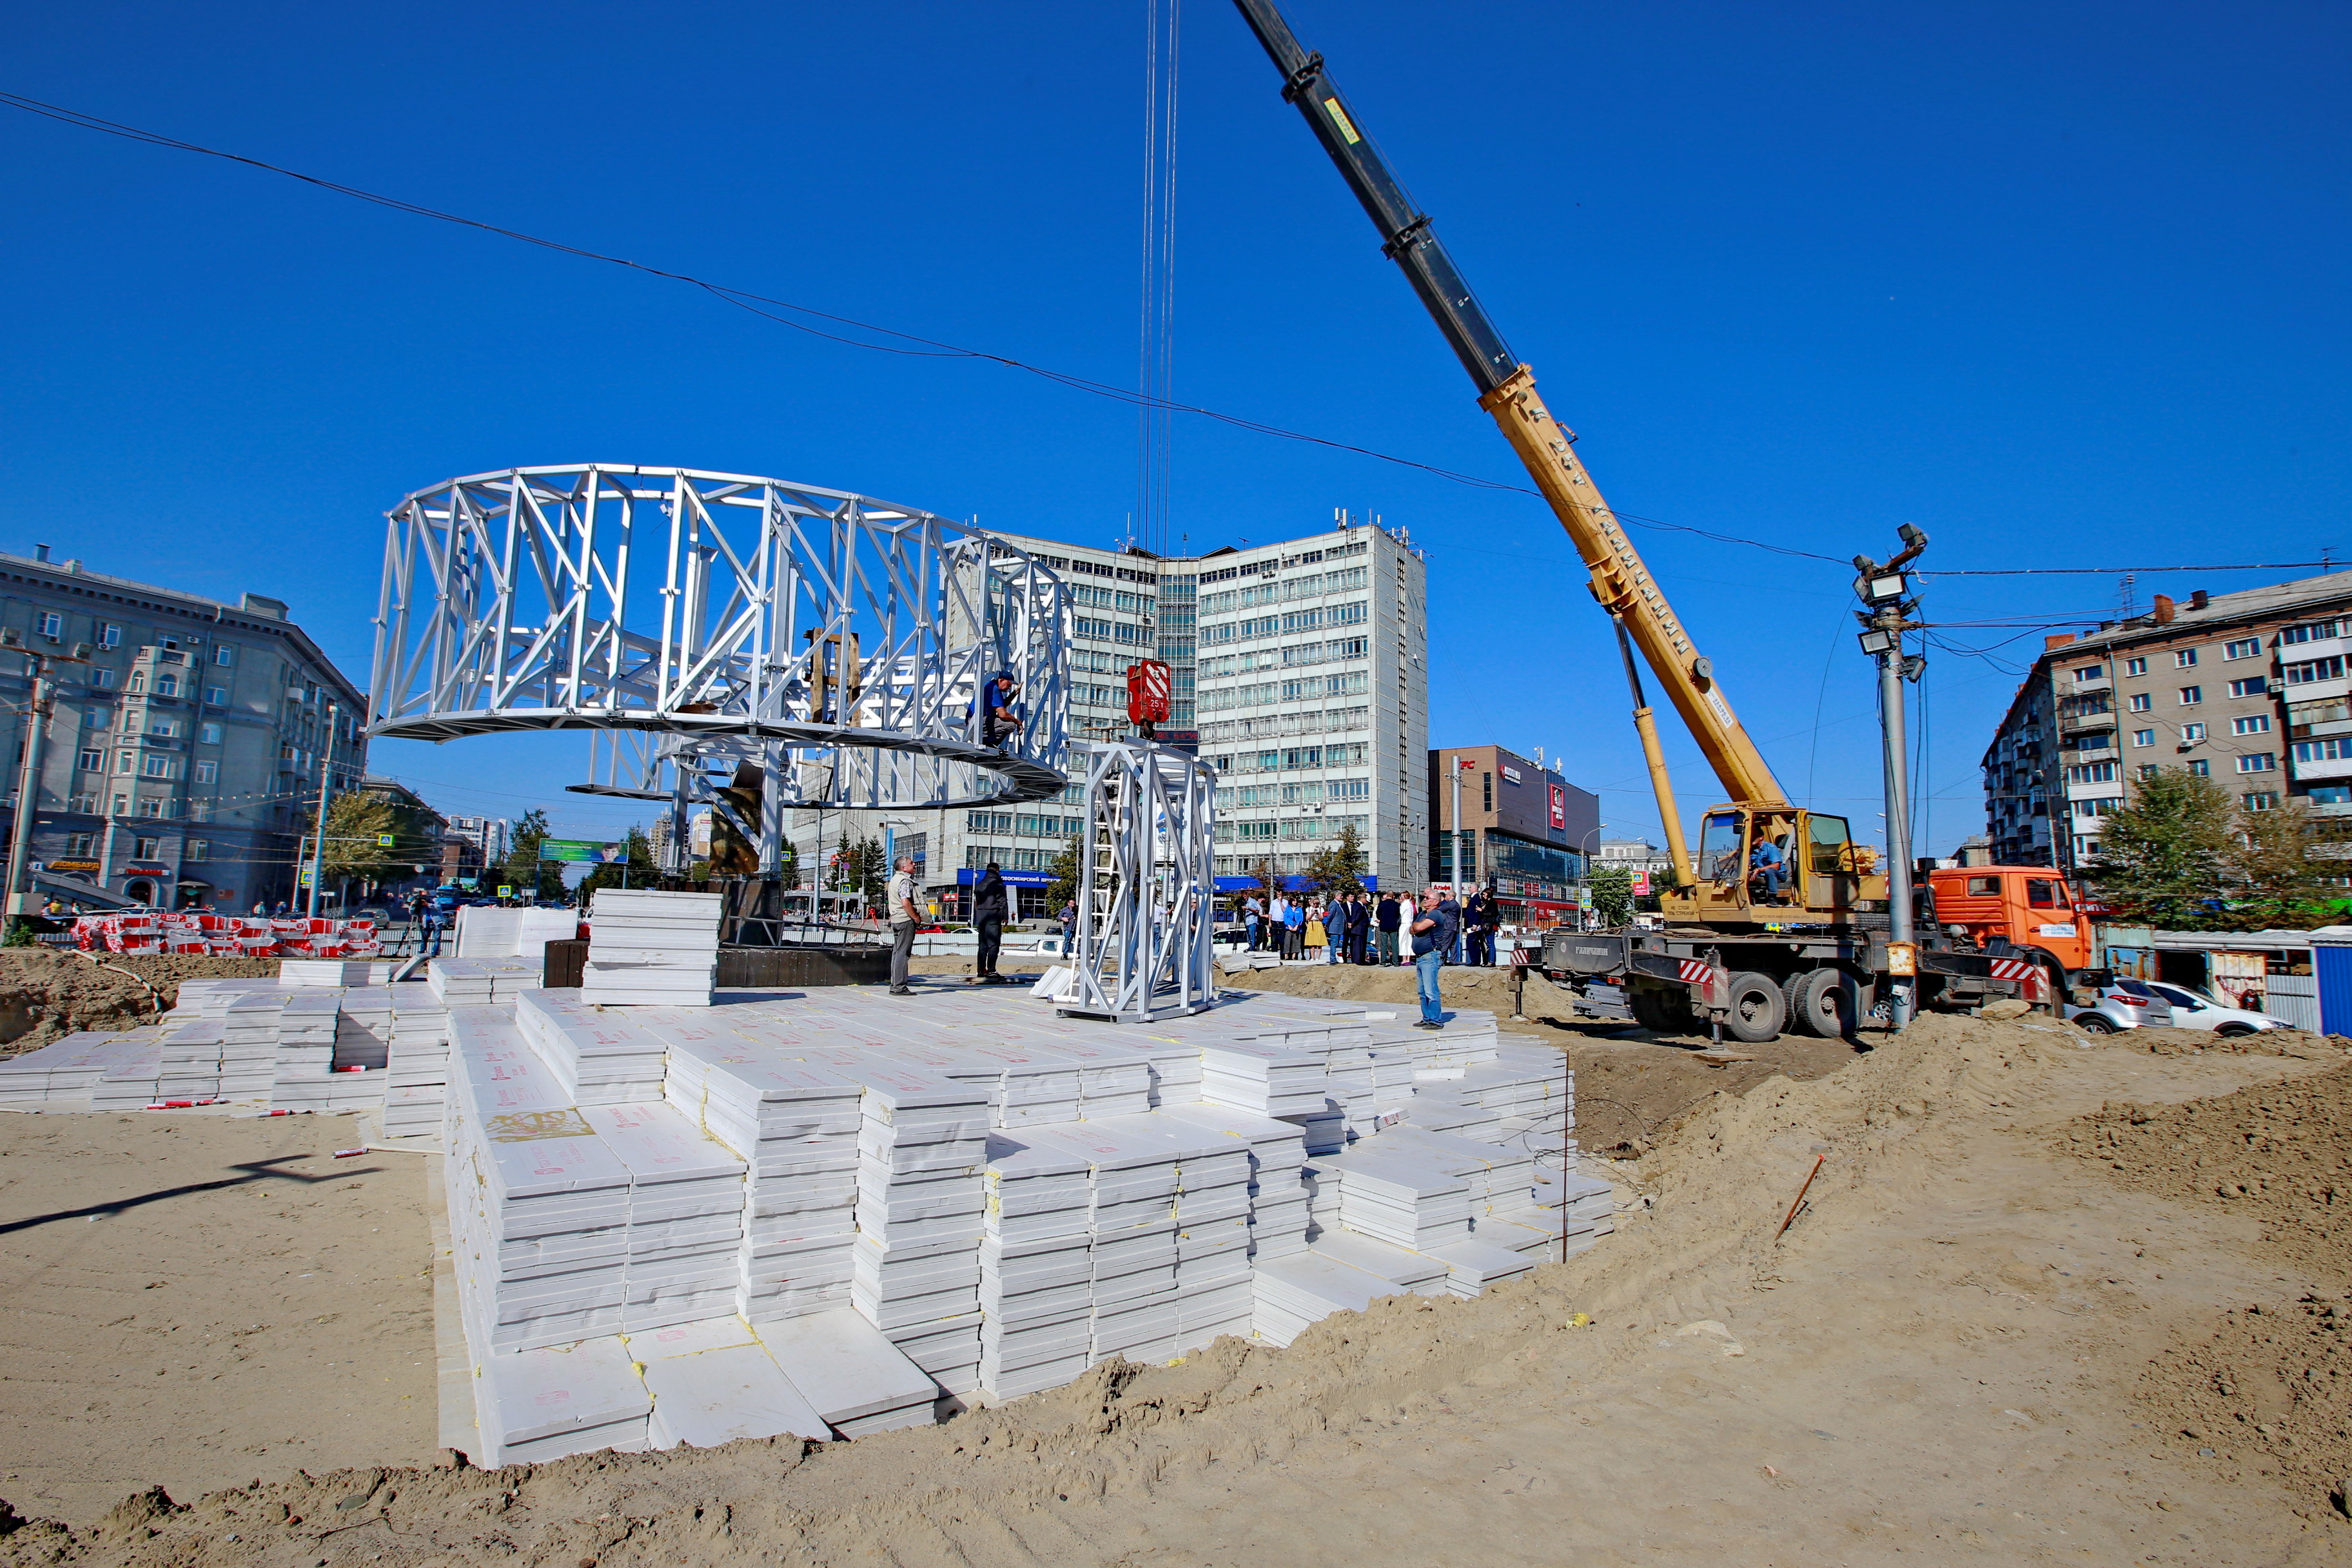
<point x="2025" y="1318"/>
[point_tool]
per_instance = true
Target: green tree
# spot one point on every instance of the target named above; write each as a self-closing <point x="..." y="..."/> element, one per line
<point x="870" y="871"/>
<point x="639" y="870"/>
<point x="356" y="824"/>
<point x="2280" y="882"/>
<point x="531" y="877"/>
<point x="841" y="872"/>
<point x="1340" y="867"/>
<point x="1612" y="895"/>
<point x="1064" y="887"/>
<point x="2164" y="858"/>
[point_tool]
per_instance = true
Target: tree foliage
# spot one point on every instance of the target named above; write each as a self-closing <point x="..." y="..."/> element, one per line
<point x="1612" y="895"/>
<point x="2182" y="856"/>
<point x="530" y="877"/>
<point x="2280" y="882"/>
<point x="1340" y="867"/>
<point x="356" y="822"/>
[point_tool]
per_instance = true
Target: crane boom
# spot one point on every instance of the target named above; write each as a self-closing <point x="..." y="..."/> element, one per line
<point x="1507" y="391"/>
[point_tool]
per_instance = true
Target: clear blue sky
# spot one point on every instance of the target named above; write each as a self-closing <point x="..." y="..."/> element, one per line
<point x="2064" y="284"/>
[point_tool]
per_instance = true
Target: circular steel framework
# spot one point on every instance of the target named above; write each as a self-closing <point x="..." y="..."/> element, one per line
<point x="842" y="641"/>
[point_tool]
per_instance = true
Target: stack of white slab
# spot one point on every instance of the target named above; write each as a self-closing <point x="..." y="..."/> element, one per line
<point x="685" y="1215"/>
<point x="363" y="1029"/>
<point x="1405" y="1197"/>
<point x="1298" y="1292"/>
<point x="131" y="1076"/>
<point x="539" y="1205"/>
<point x="61" y="1074"/>
<point x="458" y="981"/>
<point x="510" y="977"/>
<point x="302" y="1074"/>
<point x="1213" y="1233"/>
<point x="1132" y="1220"/>
<point x="210" y="996"/>
<point x="599" y="1058"/>
<point x="322" y="972"/>
<point x="714" y="1382"/>
<point x="250" y="1043"/>
<point x="1034" y="1087"/>
<point x="541" y="1404"/>
<point x="485" y="931"/>
<point x="1402" y="1271"/>
<point x="652" y="950"/>
<point x="1114" y="1078"/>
<point x="1439" y="1108"/>
<point x="1278" y="1216"/>
<point x="851" y="1374"/>
<point x="915" y="1269"/>
<point x="417" y="1062"/>
<point x="1269" y="1081"/>
<point x="796" y="1126"/>
<point x="190" y="1065"/>
<point x="1035" y="1265"/>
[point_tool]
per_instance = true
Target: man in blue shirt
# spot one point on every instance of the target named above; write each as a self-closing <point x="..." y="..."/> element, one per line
<point x="1433" y="939"/>
<point x="1766" y="862"/>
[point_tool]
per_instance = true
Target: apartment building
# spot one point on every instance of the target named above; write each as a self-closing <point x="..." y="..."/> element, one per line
<point x="186" y="743"/>
<point x="1524" y="831"/>
<point x="1297" y="672"/>
<point x="2248" y="688"/>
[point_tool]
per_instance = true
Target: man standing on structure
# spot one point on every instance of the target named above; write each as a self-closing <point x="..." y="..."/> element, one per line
<point x="1433" y="938"/>
<point x="988" y="911"/>
<point x="1000" y="718"/>
<point x="904" y="916"/>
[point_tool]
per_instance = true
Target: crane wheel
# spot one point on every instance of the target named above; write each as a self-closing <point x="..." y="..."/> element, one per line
<point x="1822" y="1002"/>
<point x="1757" y="1008"/>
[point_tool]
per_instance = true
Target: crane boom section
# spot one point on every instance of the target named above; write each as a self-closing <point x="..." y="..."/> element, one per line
<point x="1621" y="582"/>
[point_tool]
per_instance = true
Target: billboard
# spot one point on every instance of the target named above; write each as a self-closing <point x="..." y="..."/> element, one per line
<point x="586" y="851"/>
<point x="1559" y="818"/>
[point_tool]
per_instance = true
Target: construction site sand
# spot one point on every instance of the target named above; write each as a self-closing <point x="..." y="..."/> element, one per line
<point x="1974" y="1345"/>
<point x="46" y="995"/>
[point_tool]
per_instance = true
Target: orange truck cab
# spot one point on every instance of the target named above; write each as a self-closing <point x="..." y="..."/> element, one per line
<point x="2031" y="906"/>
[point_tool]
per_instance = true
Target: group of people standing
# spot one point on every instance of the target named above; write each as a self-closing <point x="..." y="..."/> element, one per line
<point x="1355" y="928"/>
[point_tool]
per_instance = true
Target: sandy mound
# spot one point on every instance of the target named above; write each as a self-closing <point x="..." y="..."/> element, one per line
<point x="1938" y="1359"/>
<point x="45" y="995"/>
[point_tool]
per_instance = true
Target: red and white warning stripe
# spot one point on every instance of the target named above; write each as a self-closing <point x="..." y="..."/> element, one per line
<point x="1694" y="971"/>
<point x="2012" y="968"/>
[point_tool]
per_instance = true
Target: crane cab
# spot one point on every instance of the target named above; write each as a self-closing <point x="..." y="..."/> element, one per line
<point x="1769" y="864"/>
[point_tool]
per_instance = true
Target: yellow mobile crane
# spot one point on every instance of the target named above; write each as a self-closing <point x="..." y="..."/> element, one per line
<point x="1755" y="936"/>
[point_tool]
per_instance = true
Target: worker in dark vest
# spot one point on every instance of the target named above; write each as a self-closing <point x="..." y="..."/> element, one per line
<point x="989" y="908"/>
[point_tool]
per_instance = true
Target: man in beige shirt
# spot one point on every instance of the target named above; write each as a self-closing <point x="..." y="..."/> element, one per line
<point x="906" y="914"/>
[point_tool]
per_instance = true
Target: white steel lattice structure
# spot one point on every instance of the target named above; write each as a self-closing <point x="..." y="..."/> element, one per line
<point x="836" y="640"/>
<point x="1145" y="876"/>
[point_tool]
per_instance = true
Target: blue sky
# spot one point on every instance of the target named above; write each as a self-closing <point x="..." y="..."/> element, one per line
<point x="2061" y="284"/>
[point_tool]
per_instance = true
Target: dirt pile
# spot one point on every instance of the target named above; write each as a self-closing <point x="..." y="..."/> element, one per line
<point x="1915" y="1367"/>
<point x="46" y="995"/>
<point x="2280" y="1153"/>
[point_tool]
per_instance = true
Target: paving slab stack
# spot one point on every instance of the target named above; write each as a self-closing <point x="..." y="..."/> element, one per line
<point x="649" y="949"/>
<point x="416" y="1073"/>
<point x="842" y="1211"/>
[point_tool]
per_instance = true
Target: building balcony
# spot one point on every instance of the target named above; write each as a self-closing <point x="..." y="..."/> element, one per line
<point x="2075" y="723"/>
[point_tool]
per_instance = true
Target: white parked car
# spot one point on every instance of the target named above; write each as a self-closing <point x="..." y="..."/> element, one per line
<point x="2121" y="1004"/>
<point x="2204" y="1010"/>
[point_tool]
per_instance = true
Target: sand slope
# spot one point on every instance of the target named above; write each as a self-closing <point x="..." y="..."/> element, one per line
<point x="1943" y="1361"/>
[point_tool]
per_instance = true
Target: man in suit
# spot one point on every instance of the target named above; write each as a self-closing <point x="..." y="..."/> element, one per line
<point x="1359" y="926"/>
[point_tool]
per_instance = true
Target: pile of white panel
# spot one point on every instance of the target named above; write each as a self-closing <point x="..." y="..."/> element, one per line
<point x="416" y="1070"/>
<point x="487" y="931"/>
<point x="302" y="1074"/>
<point x="64" y="1074"/>
<point x="1277" y="1192"/>
<point x="685" y="1215"/>
<point x="249" y="1022"/>
<point x="915" y="1267"/>
<point x="796" y="1126"/>
<point x="574" y="1398"/>
<point x="190" y="1067"/>
<point x="210" y="996"/>
<point x="599" y="1058"/>
<point x="459" y="981"/>
<point x="131" y="1079"/>
<point x="539" y="1205"/>
<point x="1265" y="1079"/>
<point x="853" y="1375"/>
<point x="1132" y="1231"/>
<point x="323" y="971"/>
<point x="652" y="950"/>
<point x="1214" y="1183"/>
<point x="363" y="1029"/>
<point x="1035" y="1264"/>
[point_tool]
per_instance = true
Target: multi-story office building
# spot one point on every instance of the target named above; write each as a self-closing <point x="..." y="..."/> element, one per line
<point x="1524" y="831"/>
<point x="1297" y="672"/>
<point x="2248" y="688"/>
<point x="183" y="753"/>
<point x="472" y="844"/>
<point x="1636" y="855"/>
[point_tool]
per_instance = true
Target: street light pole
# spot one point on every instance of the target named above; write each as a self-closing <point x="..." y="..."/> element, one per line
<point x="1886" y="590"/>
<point x="319" y="840"/>
<point x="20" y="836"/>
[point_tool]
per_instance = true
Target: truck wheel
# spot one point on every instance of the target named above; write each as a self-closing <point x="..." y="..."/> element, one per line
<point x="1659" y="1014"/>
<point x="1757" y="1008"/>
<point x="1823" y="1003"/>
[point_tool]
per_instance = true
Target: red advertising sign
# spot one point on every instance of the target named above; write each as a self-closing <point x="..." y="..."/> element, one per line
<point x="1559" y="805"/>
<point x="1640" y="884"/>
